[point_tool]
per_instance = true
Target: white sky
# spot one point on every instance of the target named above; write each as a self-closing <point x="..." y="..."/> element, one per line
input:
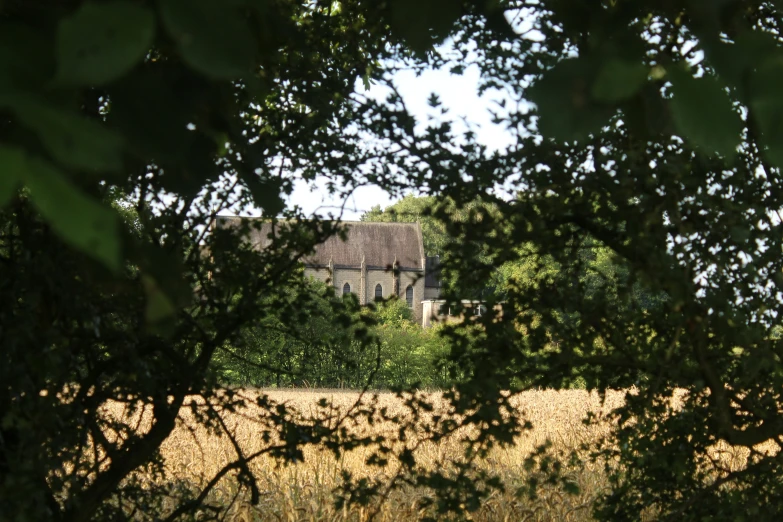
<point x="457" y="93"/>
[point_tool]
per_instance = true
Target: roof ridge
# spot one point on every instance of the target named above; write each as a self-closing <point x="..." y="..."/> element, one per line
<point x="377" y="242"/>
<point x="348" y="222"/>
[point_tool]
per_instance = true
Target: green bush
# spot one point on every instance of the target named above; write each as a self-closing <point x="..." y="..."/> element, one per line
<point x="321" y="349"/>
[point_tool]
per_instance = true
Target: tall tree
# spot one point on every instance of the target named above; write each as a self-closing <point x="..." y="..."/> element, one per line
<point x="651" y="134"/>
<point x="125" y="126"/>
<point x="654" y="135"/>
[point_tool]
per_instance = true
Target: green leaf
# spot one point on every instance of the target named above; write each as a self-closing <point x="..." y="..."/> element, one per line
<point x="72" y="139"/>
<point x="102" y="41"/>
<point x="151" y="111"/>
<point x="703" y="113"/>
<point x="565" y="107"/>
<point x="749" y="50"/>
<point x="77" y="218"/>
<point x="212" y="38"/>
<point x="165" y="269"/>
<point x="26" y="57"/>
<point x="11" y="166"/>
<point x="618" y="80"/>
<point x="739" y="234"/>
<point x="766" y="107"/>
<point x="159" y="306"/>
<point x="423" y="24"/>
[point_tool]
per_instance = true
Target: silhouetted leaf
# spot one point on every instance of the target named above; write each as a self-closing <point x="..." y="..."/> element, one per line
<point x="93" y="228"/>
<point x="72" y="139"/>
<point x="618" y="80"/>
<point x="564" y="102"/>
<point x="101" y="41"/>
<point x="703" y="113"/>
<point x="11" y="166"/>
<point x="423" y="24"/>
<point x="211" y="37"/>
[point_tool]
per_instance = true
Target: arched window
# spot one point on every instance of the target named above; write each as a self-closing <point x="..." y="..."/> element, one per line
<point x="378" y="292"/>
<point x="346" y="289"/>
<point x="409" y="296"/>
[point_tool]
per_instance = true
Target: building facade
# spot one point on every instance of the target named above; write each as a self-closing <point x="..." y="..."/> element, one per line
<point x="375" y="261"/>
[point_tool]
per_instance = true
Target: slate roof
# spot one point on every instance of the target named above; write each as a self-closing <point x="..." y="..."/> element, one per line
<point x="380" y="243"/>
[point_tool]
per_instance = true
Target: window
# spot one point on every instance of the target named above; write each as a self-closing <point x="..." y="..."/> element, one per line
<point x="444" y="310"/>
<point x="480" y="310"/>
<point x="409" y="296"/>
<point x="346" y="289"/>
<point x="378" y="292"/>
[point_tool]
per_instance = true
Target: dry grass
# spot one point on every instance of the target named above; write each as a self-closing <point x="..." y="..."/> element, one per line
<point x="304" y="491"/>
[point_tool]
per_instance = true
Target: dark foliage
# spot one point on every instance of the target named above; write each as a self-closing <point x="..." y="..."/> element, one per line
<point x="126" y="125"/>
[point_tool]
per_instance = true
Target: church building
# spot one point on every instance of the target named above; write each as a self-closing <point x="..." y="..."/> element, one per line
<point x="376" y="261"/>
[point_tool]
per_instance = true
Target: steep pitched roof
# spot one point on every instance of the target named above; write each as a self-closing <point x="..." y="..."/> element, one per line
<point x="379" y="243"/>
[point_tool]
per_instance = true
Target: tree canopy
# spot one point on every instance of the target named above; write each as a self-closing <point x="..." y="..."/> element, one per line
<point x="646" y="132"/>
<point x="645" y="129"/>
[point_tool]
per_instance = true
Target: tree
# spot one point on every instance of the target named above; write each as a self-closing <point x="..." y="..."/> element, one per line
<point x="321" y="349"/>
<point x="125" y="127"/>
<point x="412" y="209"/>
<point x="653" y="136"/>
<point x="434" y="215"/>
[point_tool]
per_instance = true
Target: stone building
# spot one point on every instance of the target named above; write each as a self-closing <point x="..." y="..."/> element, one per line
<point x="377" y="260"/>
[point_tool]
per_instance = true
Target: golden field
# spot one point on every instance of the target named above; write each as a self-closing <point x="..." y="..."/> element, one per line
<point x="304" y="491"/>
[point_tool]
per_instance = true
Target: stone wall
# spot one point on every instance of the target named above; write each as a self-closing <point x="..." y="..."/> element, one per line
<point x="378" y="276"/>
<point x="352" y="276"/>
<point x="416" y="280"/>
<point x="436" y="311"/>
<point x="319" y="274"/>
<point x="373" y="277"/>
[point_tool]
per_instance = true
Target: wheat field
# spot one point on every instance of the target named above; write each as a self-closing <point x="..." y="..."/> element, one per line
<point x="303" y="491"/>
